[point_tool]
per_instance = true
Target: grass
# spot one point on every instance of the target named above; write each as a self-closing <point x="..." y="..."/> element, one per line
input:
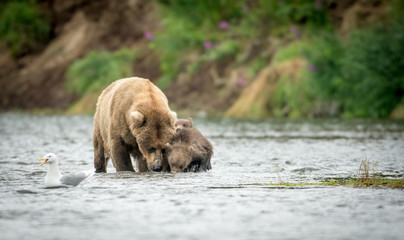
<point x="277" y="173"/>
<point x="348" y="182"/>
<point x="378" y="183"/>
<point x="367" y="174"/>
<point x="367" y="177"/>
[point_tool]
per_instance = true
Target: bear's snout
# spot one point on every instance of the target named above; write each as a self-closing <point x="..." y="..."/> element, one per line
<point x="157" y="168"/>
<point x="156" y="165"/>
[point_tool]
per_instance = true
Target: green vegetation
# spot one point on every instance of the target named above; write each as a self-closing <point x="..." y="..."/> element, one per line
<point x="218" y="29"/>
<point x="380" y="183"/>
<point x="357" y="72"/>
<point x="23" y="27"/>
<point x="98" y="69"/>
<point x="360" y="75"/>
<point x="367" y="177"/>
<point x="293" y="98"/>
<point x="365" y="73"/>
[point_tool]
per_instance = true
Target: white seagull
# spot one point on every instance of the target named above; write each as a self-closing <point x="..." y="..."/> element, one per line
<point x="55" y="179"/>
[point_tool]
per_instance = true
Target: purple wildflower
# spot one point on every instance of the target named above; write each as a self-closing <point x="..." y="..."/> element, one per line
<point x="296" y="32"/>
<point x="148" y="35"/>
<point x="240" y="82"/>
<point x="223" y="25"/>
<point x="312" y="68"/>
<point x="246" y="8"/>
<point x="207" y="45"/>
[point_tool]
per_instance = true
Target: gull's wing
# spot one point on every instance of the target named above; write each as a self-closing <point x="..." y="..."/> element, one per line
<point x="75" y="178"/>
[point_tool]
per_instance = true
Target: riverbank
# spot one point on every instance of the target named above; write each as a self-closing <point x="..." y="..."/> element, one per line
<point x="242" y="59"/>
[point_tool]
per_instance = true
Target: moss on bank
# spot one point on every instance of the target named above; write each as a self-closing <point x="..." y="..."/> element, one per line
<point x="353" y="182"/>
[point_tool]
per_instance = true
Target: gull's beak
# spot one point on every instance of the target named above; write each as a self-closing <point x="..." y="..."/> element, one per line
<point x="43" y="159"/>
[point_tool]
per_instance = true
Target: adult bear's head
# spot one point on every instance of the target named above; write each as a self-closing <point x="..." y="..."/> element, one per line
<point x="153" y="130"/>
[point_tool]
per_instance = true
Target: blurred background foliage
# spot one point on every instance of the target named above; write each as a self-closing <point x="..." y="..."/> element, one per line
<point x="221" y="26"/>
<point x="349" y="72"/>
<point x="95" y="70"/>
<point x="365" y="73"/>
<point x="24" y="28"/>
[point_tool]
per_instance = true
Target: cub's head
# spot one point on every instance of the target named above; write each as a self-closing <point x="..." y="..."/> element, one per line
<point x="179" y="156"/>
<point x="183" y="123"/>
<point x="152" y="132"/>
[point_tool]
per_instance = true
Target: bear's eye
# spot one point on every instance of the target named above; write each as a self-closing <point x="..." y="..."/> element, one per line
<point x="151" y="150"/>
<point x="163" y="150"/>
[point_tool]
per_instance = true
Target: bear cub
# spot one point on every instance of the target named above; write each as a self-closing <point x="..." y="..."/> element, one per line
<point x="189" y="150"/>
<point x="183" y="123"/>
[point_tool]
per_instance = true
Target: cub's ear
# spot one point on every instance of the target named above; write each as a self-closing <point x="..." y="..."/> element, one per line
<point x="168" y="146"/>
<point x="138" y="118"/>
<point x="173" y="115"/>
<point x="191" y="149"/>
<point x="190" y="120"/>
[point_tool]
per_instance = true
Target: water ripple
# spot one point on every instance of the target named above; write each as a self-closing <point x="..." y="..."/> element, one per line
<point x="232" y="201"/>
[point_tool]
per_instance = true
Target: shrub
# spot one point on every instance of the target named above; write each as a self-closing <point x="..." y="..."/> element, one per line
<point x="366" y="73"/>
<point x="293" y="50"/>
<point x="293" y="97"/>
<point x="198" y="12"/>
<point x="23" y="28"/>
<point x="295" y="11"/>
<point x="188" y="24"/>
<point x="98" y="69"/>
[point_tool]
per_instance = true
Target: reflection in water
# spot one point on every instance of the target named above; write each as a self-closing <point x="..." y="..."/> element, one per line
<point x="229" y="202"/>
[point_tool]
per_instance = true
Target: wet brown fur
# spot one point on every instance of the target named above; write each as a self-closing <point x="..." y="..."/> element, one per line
<point x="189" y="150"/>
<point x="118" y="133"/>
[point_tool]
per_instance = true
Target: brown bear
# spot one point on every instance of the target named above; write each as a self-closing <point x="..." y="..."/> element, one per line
<point x="189" y="151"/>
<point x="183" y="123"/>
<point x="132" y="119"/>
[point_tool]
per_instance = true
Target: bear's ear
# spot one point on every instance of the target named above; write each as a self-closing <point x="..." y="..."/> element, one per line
<point x="138" y="118"/>
<point x="190" y="148"/>
<point x="173" y="115"/>
<point x="190" y="120"/>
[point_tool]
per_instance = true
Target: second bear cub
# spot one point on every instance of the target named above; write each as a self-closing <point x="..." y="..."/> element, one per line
<point x="183" y="123"/>
<point x="189" y="151"/>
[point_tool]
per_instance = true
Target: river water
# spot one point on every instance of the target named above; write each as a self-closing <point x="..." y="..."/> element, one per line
<point x="232" y="201"/>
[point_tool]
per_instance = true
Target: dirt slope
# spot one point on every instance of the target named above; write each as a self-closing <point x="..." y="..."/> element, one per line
<point x="79" y="26"/>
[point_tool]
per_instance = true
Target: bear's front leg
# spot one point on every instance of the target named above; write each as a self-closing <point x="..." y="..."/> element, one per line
<point x="209" y="165"/>
<point x="120" y="156"/>
<point x="141" y="164"/>
<point x="100" y="162"/>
